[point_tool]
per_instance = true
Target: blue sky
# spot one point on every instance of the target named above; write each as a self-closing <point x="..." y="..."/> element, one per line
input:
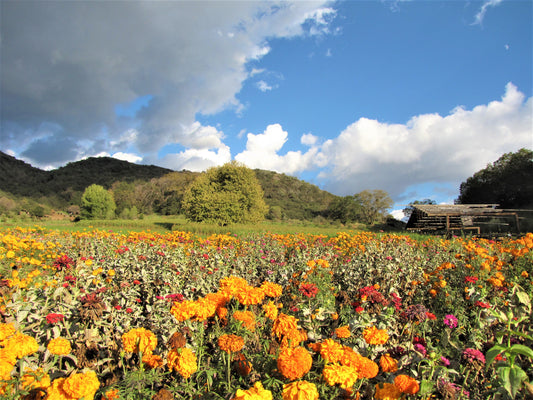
<point x="411" y="97"/>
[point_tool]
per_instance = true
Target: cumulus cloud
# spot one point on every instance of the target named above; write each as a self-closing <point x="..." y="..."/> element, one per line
<point x="70" y="64"/>
<point x="262" y="152"/>
<point x="370" y="154"/>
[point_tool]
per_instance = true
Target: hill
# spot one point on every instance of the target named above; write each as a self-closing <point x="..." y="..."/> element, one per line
<point x="161" y="188"/>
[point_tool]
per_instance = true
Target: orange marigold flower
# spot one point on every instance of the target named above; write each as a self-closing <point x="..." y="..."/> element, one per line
<point x="111" y="395"/>
<point x="59" y="346"/>
<point x="183" y="361"/>
<point x="21" y="345"/>
<point x="368" y="368"/>
<point x="152" y="360"/>
<point x="343" y="375"/>
<point x="81" y="385"/>
<point x="271" y="310"/>
<point x="373" y="335"/>
<point x="6" y="330"/>
<point x="387" y="391"/>
<point x="406" y="384"/>
<point x="388" y="364"/>
<point x="34" y="379"/>
<point x="249" y="295"/>
<point x="272" y="289"/>
<point x="7" y="363"/>
<point x="283" y="324"/>
<point x="293" y="338"/>
<point x="139" y="340"/>
<point x="257" y="392"/>
<point x="294" y="363"/>
<point x="230" y="343"/>
<point x="331" y="351"/>
<point x="222" y="313"/>
<point x="204" y="308"/>
<point x="300" y="390"/>
<point x="247" y="318"/>
<point x="184" y="310"/>
<point x="343" y="332"/>
<point x="232" y="285"/>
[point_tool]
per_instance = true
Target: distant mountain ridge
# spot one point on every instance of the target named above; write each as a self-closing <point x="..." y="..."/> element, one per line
<point x="287" y="196"/>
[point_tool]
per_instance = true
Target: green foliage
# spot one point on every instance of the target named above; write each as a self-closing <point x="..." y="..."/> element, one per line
<point x="225" y="195"/>
<point x="374" y="205"/>
<point x="345" y="209"/>
<point x="507" y="182"/>
<point x="97" y="203"/>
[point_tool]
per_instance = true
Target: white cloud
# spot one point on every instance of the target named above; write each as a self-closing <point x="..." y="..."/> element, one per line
<point x="130" y="157"/>
<point x="478" y="19"/>
<point x="191" y="57"/>
<point x="263" y="86"/>
<point x="196" y="159"/>
<point x="262" y="152"/>
<point x="369" y="154"/>
<point x="308" y="139"/>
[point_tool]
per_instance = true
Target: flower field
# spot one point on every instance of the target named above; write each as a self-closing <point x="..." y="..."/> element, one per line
<point x="101" y="315"/>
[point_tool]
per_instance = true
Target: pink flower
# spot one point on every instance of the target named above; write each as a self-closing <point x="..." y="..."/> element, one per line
<point x="450" y="321"/>
<point x="445" y="361"/>
<point x="473" y="355"/>
<point x="54" y="318"/>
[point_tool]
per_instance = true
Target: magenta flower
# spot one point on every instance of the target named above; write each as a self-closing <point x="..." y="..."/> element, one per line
<point x="474" y="356"/>
<point x="450" y="321"/>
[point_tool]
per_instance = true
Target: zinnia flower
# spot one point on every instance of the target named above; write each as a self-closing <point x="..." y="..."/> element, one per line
<point x="406" y="384"/>
<point x="294" y="363"/>
<point x="309" y="290"/>
<point x="388" y="364"/>
<point x="450" y="321"/>
<point x="230" y="343"/>
<point x="257" y="392"/>
<point x="59" y="346"/>
<point x="139" y="340"/>
<point x="300" y="390"/>
<point x="183" y="361"/>
<point x="387" y="391"/>
<point x="474" y="357"/>
<point x="373" y="335"/>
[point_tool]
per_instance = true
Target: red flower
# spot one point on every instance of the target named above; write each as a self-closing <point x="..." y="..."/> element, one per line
<point x="136" y="282"/>
<point x="117" y="307"/>
<point x="359" y="309"/>
<point x="54" y="318"/>
<point x="129" y="310"/>
<point x="482" y="305"/>
<point x="309" y="289"/>
<point x="431" y="316"/>
<point x="471" y="279"/>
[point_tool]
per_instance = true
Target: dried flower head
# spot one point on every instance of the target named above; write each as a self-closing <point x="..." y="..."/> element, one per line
<point x="416" y="313"/>
<point x="92" y="307"/>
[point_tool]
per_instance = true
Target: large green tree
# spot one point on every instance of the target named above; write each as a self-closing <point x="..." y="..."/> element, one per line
<point x="224" y="195"/>
<point x="344" y="209"/>
<point x="507" y="182"/>
<point x="374" y="205"/>
<point x="97" y="203"/>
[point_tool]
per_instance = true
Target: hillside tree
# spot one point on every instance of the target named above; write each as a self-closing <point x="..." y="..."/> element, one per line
<point x="224" y="195"/>
<point x="507" y="182"/>
<point x="97" y="203"/>
<point x="374" y="205"/>
<point x="344" y="209"/>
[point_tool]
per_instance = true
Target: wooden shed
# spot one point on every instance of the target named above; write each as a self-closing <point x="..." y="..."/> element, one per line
<point x="472" y="218"/>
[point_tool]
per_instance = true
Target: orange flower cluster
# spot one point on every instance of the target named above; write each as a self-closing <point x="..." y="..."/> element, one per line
<point x="247" y="318"/>
<point x="294" y="362"/>
<point x="230" y="343"/>
<point x="343" y="332"/>
<point x="59" y="346"/>
<point x="183" y="361"/>
<point x="374" y="336"/>
<point x="77" y="386"/>
<point x="139" y="340"/>
<point x="271" y="310"/>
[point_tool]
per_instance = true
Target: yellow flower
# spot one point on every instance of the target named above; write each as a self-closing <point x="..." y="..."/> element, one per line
<point x="230" y="343"/>
<point x="59" y="346"/>
<point x="342" y="375"/>
<point x="33" y="379"/>
<point x="271" y="310"/>
<point x="294" y="363"/>
<point x="139" y="340"/>
<point x="300" y="390"/>
<point x="21" y="345"/>
<point x="373" y="335"/>
<point x="257" y="392"/>
<point x="7" y="363"/>
<point x="81" y="385"/>
<point x="387" y="391"/>
<point x="6" y="330"/>
<point x="183" y="361"/>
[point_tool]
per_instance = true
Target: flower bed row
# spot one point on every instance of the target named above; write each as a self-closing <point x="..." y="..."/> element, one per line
<point x="100" y="315"/>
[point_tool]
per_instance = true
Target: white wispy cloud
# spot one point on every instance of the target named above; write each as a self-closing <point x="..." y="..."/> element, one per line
<point x="263" y="86"/>
<point x="478" y="19"/>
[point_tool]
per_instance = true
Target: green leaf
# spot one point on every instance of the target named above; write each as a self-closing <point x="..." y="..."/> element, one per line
<point x="516" y="377"/>
<point x="493" y="353"/>
<point x="521" y="349"/>
<point x="523" y="298"/>
<point x="504" y="376"/>
<point x="426" y="387"/>
<point x="524" y="335"/>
